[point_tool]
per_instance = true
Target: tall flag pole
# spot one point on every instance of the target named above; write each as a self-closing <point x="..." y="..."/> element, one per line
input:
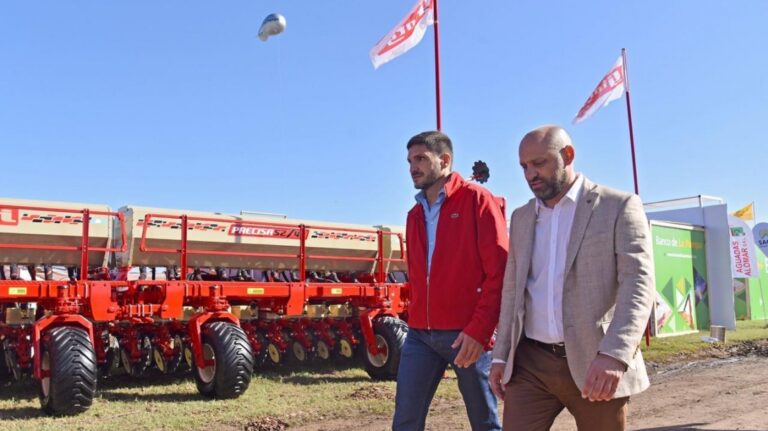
<point x="634" y="163"/>
<point x="632" y="146"/>
<point x="407" y="34"/>
<point x="609" y="89"/>
<point x="629" y="118"/>
<point x="437" y="68"/>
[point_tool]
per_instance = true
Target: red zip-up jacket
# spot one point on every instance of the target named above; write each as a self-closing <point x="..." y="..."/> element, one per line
<point x="464" y="287"/>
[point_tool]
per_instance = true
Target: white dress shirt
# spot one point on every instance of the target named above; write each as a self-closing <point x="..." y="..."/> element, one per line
<point x="544" y="288"/>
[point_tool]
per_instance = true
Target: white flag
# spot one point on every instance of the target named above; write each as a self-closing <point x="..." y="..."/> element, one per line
<point x="407" y="34"/>
<point x="610" y="88"/>
<point x="743" y="259"/>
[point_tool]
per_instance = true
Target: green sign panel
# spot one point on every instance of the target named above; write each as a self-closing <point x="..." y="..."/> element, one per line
<point x="682" y="300"/>
<point x="758" y="291"/>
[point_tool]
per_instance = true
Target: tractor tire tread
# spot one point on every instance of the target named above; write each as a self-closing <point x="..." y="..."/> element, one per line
<point x="394" y="331"/>
<point x="234" y="360"/>
<point x="73" y="372"/>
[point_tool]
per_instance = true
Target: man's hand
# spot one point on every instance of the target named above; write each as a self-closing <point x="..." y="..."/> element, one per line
<point x="495" y="377"/>
<point x="469" y="350"/>
<point x="602" y="378"/>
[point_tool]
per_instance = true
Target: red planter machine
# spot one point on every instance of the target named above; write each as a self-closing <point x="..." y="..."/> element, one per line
<point x="85" y="290"/>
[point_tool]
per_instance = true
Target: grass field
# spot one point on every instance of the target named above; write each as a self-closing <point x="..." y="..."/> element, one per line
<point x="667" y="349"/>
<point x="163" y="402"/>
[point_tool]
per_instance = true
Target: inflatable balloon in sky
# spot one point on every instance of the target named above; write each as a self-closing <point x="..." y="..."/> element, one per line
<point x="273" y="25"/>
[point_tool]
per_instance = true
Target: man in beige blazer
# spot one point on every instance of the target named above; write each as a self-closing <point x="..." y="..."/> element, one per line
<point x="577" y="295"/>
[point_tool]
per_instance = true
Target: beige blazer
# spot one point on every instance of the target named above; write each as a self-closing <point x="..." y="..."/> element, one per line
<point x="608" y="288"/>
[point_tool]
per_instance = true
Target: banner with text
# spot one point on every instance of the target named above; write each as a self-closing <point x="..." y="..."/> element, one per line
<point x="682" y="300"/>
<point x="743" y="262"/>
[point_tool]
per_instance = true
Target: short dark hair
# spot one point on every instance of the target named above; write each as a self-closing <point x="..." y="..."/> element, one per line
<point x="436" y="142"/>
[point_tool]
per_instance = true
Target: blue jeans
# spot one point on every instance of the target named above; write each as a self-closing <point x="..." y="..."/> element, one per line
<point x="424" y="358"/>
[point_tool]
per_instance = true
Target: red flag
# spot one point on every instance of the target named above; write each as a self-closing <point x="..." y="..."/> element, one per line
<point x="407" y="34"/>
<point x="610" y="88"/>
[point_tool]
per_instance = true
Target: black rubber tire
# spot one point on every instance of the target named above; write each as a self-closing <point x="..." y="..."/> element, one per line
<point x="233" y="361"/>
<point x="390" y="332"/>
<point x="69" y="356"/>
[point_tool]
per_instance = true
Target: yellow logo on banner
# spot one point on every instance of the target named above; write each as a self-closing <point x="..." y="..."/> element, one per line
<point x="336" y="291"/>
<point x="255" y="290"/>
<point x="17" y="291"/>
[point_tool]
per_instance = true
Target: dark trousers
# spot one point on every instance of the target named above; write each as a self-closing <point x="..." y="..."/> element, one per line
<point x="541" y="386"/>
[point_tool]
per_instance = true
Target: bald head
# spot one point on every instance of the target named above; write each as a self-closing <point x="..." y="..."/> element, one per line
<point x="553" y="137"/>
<point x="546" y="156"/>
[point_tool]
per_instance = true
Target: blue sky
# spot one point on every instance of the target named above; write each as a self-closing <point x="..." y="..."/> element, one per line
<point x="178" y="104"/>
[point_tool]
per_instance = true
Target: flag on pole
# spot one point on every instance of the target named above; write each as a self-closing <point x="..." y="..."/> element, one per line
<point x="407" y="34"/>
<point x="747" y="213"/>
<point x="610" y="88"/>
<point x="743" y="251"/>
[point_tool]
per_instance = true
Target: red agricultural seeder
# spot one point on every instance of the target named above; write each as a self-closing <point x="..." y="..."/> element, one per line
<point x="85" y="290"/>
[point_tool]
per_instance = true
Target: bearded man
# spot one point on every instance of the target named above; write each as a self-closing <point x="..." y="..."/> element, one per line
<point x="577" y="295"/>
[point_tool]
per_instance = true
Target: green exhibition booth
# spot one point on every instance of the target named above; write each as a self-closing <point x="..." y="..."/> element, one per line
<point x="696" y="285"/>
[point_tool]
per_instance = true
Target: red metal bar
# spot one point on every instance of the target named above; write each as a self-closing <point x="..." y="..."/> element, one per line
<point x="255" y="254"/>
<point x="437" y="69"/>
<point x="60" y="210"/>
<point x="148" y="217"/>
<point x="84" y="245"/>
<point x="334" y="257"/>
<point x="120" y="217"/>
<point x="41" y="247"/>
<point x="302" y="256"/>
<point x="184" y="247"/>
<point x="343" y="229"/>
<point x="58" y="247"/>
<point x="302" y="253"/>
<point x="143" y="242"/>
<point x="48" y="289"/>
<point x="239" y="253"/>
<point x="381" y="277"/>
<point x="214" y="252"/>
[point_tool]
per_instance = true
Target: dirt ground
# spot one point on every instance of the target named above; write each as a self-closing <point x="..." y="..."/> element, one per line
<point x="720" y="390"/>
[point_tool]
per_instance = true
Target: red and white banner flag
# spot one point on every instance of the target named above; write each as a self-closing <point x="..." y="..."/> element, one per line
<point x="610" y="88"/>
<point x="407" y="34"/>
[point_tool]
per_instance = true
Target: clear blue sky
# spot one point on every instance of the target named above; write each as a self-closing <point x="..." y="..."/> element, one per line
<point x="178" y="104"/>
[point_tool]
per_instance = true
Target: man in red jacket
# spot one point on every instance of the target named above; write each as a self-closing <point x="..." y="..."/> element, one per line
<point x="457" y="249"/>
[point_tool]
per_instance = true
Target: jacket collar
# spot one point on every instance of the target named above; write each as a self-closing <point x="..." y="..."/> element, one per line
<point x="455" y="182"/>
